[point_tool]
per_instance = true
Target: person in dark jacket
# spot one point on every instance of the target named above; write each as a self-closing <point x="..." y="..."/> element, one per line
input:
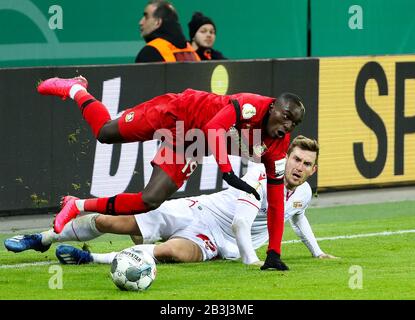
<point x="202" y="32"/>
<point x="163" y="34"/>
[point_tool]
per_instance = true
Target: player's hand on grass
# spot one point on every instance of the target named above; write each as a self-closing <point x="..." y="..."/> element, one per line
<point x="326" y="256"/>
<point x="274" y="262"/>
<point x="238" y="183"/>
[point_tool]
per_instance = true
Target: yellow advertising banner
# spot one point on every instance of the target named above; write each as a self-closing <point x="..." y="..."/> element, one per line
<point x="366" y="120"/>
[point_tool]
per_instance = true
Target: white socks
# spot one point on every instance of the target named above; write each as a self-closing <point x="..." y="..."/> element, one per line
<point x="79" y="229"/>
<point x="83" y="229"/>
<point x="80" y="205"/>
<point x="107" y="258"/>
<point x="149" y="248"/>
<point x="74" y="90"/>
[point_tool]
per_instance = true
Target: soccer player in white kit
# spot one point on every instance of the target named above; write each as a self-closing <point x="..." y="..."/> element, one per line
<point x="229" y="224"/>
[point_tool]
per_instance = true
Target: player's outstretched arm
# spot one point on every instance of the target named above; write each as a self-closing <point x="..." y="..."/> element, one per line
<point x="215" y="131"/>
<point x="245" y="212"/>
<point x="302" y="229"/>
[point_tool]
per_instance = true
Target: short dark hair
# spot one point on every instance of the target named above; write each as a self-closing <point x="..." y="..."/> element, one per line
<point x="164" y="10"/>
<point x="292" y="98"/>
<point x="306" y="144"/>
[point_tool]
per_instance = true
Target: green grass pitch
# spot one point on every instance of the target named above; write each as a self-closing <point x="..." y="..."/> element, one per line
<point x="387" y="265"/>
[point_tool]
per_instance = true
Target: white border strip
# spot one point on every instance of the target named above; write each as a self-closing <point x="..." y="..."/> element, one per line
<point x="363" y="235"/>
<point x="30" y="264"/>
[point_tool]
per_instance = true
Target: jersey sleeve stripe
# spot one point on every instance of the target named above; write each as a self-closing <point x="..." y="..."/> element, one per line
<point x="275" y="181"/>
<point x="249" y="203"/>
<point x="237" y="111"/>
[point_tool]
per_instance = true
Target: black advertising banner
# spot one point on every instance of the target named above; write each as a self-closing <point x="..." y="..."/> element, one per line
<point x="302" y="78"/>
<point x="48" y="150"/>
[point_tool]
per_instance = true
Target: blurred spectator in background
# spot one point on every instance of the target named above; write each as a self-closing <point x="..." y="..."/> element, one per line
<point x="202" y="32"/>
<point x="166" y="42"/>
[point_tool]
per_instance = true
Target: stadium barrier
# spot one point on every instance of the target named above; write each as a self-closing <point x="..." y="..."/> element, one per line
<point x="49" y="32"/>
<point x="360" y="109"/>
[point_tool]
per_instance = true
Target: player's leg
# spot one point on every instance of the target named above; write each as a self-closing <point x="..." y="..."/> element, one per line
<point x="93" y="111"/>
<point x="118" y="225"/>
<point x="178" y="250"/>
<point x="174" y="250"/>
<point x="136" y="124"/>
<point x="138" y="128"/>
<point x="80" y="229"/>
<point x="165" y="179"/>
<point x="153" y="226"/>
<point x="159" y="188"/>
<point x="194" y="243"/>
<point x="68" y="254"/>
<point x="91" y="226"/>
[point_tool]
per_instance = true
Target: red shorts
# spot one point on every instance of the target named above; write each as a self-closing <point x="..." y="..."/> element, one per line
<point x="149" y="121"/>
<point x="178" y="170"/>
<point x="140" y="122"/>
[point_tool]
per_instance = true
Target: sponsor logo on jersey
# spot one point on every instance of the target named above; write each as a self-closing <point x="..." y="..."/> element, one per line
<point x="262" y="176"/>
<point x="129" y="117"/>
<point x="280" y="168"/>
<point x="297" y="204"/>
<point x="248" y="111"/>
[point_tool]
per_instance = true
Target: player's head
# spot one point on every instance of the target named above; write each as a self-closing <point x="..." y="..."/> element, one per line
<point x="302" y="156"/>
<point x="284" y="115"/>
<point x="155" y="13"/>
<point x="202" y="31"/>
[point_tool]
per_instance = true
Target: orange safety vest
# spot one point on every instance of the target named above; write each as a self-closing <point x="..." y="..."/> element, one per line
<point x="170" y="53"/>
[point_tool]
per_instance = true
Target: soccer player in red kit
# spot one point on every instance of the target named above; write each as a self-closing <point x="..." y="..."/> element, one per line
<point x="214" y="115"/>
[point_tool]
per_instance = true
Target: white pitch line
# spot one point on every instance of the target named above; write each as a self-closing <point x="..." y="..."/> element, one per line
<point x="362" y="235"/>
<point x="29" y="264"/>
<point x="353" y="236"/>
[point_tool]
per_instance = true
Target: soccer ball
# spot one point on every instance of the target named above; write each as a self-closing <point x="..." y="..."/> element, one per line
<point x="133" y="270"/>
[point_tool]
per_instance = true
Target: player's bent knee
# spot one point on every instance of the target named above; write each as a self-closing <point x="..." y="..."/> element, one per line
<point x="170" y="253"/>
<point x="104" y="137"/>
<point x="153" y="205"/>
<point x="118" y="225"/>
<point x="152" y="201"/>
<point x="109" y="133"/>
<point x="178" y="250"/>
<point x="103" y="223"/>
<point x="164" y="252"/>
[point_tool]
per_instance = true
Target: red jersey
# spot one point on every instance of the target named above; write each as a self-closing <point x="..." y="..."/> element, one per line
<point x="209" y="111"/>
<point x="242" y="113"/>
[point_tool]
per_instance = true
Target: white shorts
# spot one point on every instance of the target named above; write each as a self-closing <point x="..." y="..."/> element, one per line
<point x="177" y="219"/>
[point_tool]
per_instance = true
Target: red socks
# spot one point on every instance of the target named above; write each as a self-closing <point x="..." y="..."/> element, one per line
<point x="275" y="216"/>
<point x="93" y="111"/>
<point x="124" y="203"/>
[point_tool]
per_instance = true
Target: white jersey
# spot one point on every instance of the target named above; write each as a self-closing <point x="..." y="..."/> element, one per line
<point x="222" y="206"/>
<point x="219" y="212"/>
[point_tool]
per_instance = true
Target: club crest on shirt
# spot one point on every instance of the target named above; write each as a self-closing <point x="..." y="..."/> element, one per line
<point x="297" y="204"/>
<point x="259" y="149"/>
<point x="129" y="117"/>
<point x="248" y="111"/>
